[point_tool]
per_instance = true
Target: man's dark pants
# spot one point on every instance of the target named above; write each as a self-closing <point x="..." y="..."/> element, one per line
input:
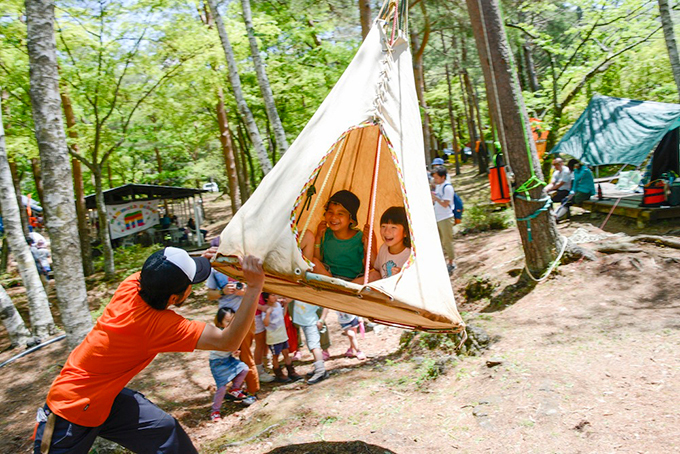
<point x="134" y="423"/>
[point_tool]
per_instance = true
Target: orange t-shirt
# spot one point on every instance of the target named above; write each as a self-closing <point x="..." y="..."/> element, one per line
<point x="125" y="339"/>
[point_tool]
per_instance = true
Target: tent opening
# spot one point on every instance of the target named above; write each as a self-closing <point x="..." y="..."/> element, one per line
<point x="354" y="163"/>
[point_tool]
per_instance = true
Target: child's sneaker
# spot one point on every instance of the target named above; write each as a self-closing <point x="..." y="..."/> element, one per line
<point x="215" y="416"/>
<point x="263" y="375"/>
<point x="360" y="355"/>
<point x="237" y="394"/>
<point x="325" y="355"/>
<point x="349" y="353"/>
<point x="297" y="356"/>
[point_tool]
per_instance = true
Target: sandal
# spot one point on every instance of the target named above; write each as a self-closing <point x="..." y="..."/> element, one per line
<point x="350" y="353"/>
<point x="360" y="355"/>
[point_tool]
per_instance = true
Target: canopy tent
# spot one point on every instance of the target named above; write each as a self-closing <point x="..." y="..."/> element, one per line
<point x="141" y="192"/>
<point x="133" y="208"/>
<point x="621" y="131"/>
<point x="367" y="138"/>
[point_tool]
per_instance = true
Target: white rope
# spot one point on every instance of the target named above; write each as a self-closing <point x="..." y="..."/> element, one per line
<point x="565" y="240"/>
<point x="371" y="214"/>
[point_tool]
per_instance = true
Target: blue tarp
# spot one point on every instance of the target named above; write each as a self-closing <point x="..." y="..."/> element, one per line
<point x="618" y="130"/>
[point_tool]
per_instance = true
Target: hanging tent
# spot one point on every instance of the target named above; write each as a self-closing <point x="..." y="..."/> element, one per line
<point x="366" y="137"/>
<point x="624" y="131"/>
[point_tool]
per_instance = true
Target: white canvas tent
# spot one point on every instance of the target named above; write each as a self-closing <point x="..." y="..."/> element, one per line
<point x="372" y="111"/>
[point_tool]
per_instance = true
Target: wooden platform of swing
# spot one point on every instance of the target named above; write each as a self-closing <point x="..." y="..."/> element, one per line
<point x="630" y="207"/>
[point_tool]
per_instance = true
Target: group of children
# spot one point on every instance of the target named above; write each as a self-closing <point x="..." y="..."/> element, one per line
<point x="337" y="249"/>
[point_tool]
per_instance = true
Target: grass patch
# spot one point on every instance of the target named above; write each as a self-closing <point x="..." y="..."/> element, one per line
<point x="482" y="218"/>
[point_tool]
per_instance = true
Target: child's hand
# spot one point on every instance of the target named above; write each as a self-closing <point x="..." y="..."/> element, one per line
<point x="236" y="353"/>
<point x="396" y="270"/>
<point x="229" y="289"/>
<point x="321" y="229"/>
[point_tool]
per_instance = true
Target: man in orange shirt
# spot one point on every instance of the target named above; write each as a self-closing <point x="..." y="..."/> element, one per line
<point x="89" y="397"/>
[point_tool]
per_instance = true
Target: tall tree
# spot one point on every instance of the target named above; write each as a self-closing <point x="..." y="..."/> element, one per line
<point x="81" y="209"/>
<point x="42" y="323"/>
<point x="228" y="153"/>
<point x="540" y="242"/>
<point x="12" y="321"/>
<point x="671" y="45"/>
<point x="365" y="17"/>
<point x="16" y="182"/>
<point x="235" y="79"/>
<point x="418" y="45"/>
<point x="59" y="207"/>
<point x="263" y="82"/>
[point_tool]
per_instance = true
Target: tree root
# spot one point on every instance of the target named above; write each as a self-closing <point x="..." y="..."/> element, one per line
<point x="628" y="245"/>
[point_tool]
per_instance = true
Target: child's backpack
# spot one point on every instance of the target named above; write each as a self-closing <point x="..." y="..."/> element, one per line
<point x="457" y="208"/>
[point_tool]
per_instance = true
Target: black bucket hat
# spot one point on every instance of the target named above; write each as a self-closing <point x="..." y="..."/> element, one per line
<point x="348" y="200"/>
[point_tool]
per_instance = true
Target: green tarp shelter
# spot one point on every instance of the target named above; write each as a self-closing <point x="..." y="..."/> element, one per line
<point x="620" y="131"/>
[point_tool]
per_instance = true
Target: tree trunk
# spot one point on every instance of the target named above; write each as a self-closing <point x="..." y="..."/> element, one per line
<point x="263" y="82"/>
<point x="81" y="209"/>
<point x="228" y="153"/>
<point x="103" y="231"/>
<point x="42" y="323"/>
<point x="11" y="319"/>
<point x="365" y="17"/>
<point x="452" y="119"/>
<point x="241" y="172"/>
<point x="496" y="61"/>
<point x="530" y="67"/>
<point x="671" y="45"/>
<point x="483" y="151"/>
<point x="59" y="208"/>
<point x="470" y="118"/>
<point x="37" y="177"/>
<point x="420" y="91"/>
<point x="4" y="257"/>
<point x="16" y="182"/>
<point x="235" y="80"/>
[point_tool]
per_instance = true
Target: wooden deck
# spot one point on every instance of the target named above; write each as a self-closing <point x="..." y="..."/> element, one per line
<point x="630" y="207"/>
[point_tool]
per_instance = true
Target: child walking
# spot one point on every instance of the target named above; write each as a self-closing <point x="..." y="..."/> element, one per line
<point x="396" y="247"/>
<point x="226" y="368"/>
<point x="277" y="339"/>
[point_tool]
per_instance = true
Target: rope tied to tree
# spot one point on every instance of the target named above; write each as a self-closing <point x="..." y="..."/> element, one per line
<point x="546" y="206"/>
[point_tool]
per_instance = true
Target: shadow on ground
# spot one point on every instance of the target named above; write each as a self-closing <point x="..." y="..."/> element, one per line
<point x="321" y="447"/>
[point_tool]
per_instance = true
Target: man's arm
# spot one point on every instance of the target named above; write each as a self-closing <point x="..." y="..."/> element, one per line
<point x="229" y="339"/>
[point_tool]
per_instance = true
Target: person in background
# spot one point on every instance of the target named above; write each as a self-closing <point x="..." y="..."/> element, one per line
<point x="305" y="316"/>
<point x="225" y="369"/>
<point x="583" y="185"/>
<point x="442" y="198"/>
<point x="560" y="182"/>
<point x="277" y="338"/>
<point x="229" y="294"/>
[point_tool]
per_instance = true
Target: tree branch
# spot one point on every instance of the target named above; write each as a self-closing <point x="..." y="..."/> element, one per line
<point x="590" y="74"/>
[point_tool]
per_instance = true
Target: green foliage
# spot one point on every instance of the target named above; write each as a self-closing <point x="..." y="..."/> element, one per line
<point x="128" y="259"/>
<point x="481" y="218"/>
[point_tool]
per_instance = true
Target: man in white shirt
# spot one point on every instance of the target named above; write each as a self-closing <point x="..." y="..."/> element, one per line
<point x="560" y="183"/>
<point x="442" y="198"/>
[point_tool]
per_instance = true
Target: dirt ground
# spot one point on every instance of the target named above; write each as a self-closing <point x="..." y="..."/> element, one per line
<point x="585" y="362"/>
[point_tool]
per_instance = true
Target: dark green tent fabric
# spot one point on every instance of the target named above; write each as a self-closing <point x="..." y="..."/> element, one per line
<point x="618" y="130"/>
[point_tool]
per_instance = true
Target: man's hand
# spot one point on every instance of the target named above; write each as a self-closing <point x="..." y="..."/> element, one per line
<point x="253" y="273"/>
<point x="210" y="253"/>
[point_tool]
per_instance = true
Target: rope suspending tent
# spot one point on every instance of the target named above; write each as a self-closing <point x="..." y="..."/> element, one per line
<point x="366" y="137"/>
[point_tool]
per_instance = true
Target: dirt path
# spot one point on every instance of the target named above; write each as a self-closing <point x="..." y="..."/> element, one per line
<point x="587" y="362"/>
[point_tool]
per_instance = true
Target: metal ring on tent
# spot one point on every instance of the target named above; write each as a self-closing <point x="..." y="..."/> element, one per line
<point x="298" y="271"/>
